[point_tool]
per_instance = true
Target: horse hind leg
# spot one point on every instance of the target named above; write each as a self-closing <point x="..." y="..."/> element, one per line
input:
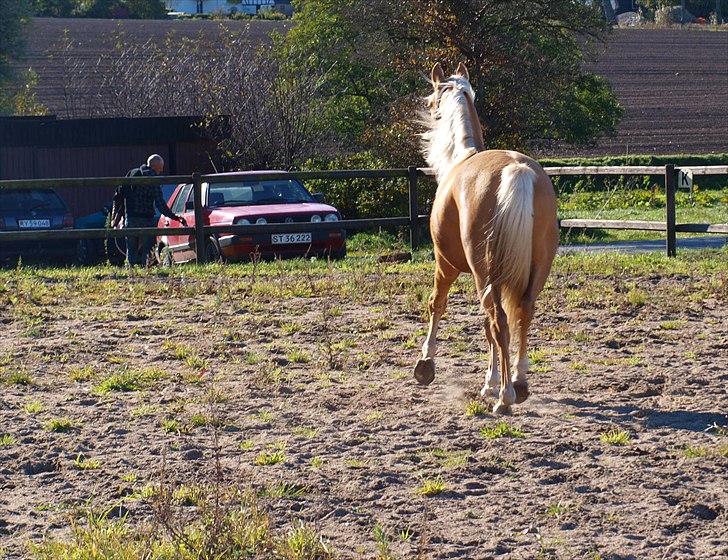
<point x="492" y="378"/>
<point x="445" y="275"/>
<point x="501" y="335"/>
<point x="525" y="316"/>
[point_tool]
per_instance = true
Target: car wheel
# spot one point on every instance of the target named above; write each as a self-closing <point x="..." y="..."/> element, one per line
<point x="212" y="252"/>
<point x="166" y="258"/>
<point x="84" y="252"/>
<point x="340" y="254"/>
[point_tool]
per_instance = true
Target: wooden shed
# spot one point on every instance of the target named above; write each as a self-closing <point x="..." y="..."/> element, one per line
<point x="46" y="147"/>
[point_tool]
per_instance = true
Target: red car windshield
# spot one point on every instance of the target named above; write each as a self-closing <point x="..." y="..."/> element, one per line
<point x="250" y="193"/>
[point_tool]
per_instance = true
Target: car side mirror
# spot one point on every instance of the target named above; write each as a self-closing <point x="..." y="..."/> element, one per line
<point x="318" y="197"/>
<point x="190" y="205"/>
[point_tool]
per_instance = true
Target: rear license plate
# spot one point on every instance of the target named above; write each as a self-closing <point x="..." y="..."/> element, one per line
<point x="289" y="238"/>
<point x="34" y="224"/>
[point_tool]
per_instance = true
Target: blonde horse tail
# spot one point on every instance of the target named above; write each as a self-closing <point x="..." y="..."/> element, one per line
<point x="511" y="239"/>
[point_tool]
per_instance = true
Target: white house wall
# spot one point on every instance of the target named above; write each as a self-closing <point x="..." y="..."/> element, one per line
<point x="213" y="6"/>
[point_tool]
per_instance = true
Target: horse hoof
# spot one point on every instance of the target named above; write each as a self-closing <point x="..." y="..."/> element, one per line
<point x="425" y="371"/>
<point x="521" y="388"/>
<point x="501" y="408"/>
<point x="488" y="391"/>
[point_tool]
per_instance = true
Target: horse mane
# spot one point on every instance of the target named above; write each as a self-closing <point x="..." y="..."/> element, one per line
<point x="453" y="131"/>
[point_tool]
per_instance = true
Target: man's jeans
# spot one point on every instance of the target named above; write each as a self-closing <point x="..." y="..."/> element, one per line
<point x="137" y="248"/>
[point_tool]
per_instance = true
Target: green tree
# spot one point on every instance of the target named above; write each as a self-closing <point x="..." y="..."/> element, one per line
<point x="15" y="15"/>
<point x="53" y="8"/>
<point x="525" y="59"/>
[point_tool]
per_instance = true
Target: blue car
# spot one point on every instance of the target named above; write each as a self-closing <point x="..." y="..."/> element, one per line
<point x="34" y="209"/>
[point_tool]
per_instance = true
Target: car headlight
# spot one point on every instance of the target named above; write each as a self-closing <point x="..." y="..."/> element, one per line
<point x="261" y="221"/>
<point x="242" y="222"/>
<point x="315" y="218"/>
<point x="331" y="218"/>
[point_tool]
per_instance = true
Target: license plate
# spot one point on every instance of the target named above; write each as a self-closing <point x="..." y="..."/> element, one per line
<point x="289" y="238"/>
<point x="34" y="224"/>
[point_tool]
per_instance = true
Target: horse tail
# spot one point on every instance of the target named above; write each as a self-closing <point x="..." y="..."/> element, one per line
<point x="511" y="237"/>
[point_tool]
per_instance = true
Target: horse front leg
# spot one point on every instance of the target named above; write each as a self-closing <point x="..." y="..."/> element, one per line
<point x="437" y="304"/>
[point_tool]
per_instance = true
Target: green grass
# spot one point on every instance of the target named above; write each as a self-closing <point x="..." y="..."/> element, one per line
<point x="298" y="357"/>
<point x="7" y="440"/>
<point x="476" y="408"/>
<point x="129" y="381"/>
<point x="431" y="487"/>
<point x="84" y="464"/>
<point x="33" y="407"/>
<point x="18" y="377"/>
<point x="615" y="437"/>
<point x="270" y="458"/>
<point x="501" y="430"/>
<point x="59" y="425"/>
<point x="81" y="374"/>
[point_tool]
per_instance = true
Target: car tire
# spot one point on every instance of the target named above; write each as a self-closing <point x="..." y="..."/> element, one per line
<point x="213" y="253"/>
<point x="339" y="255"/>
<point x="166" y="257"/>
<point x="85" y="254"/>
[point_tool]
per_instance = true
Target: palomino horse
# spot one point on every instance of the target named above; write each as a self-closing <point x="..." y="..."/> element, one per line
<point x="494" y="216"/>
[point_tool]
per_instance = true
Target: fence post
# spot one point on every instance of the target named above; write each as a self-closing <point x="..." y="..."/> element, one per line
<point x="670" y="184"/>
<point x="413" y="208"/>
<point x="200" y="252"/>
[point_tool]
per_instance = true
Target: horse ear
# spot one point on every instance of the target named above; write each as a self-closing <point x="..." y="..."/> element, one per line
<point x="437" y="74"/>
<point x="462" y="71"/>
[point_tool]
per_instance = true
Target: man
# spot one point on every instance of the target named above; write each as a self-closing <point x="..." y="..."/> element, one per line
<point x="135" y="203"/>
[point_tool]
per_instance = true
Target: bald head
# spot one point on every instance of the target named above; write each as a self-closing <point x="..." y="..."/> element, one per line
<point x="156" y="162"/>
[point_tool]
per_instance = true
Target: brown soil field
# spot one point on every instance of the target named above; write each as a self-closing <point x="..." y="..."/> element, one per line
<point x="315" y="364"/>
<point x="672" y="83"/>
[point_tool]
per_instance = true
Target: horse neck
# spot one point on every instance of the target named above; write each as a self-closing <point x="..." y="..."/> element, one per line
<point x="455" y="137"/>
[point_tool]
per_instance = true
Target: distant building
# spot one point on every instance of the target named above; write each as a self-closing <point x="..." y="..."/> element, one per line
<point x="217" y="6"/>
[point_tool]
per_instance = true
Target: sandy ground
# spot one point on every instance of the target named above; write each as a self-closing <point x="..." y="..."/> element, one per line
<point x="646" y="355"/>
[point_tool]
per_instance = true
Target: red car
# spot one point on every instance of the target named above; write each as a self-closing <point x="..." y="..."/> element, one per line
<point x="272" y="201"/>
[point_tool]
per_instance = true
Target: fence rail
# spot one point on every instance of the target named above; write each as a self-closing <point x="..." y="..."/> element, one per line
<point x="414" y="220"/>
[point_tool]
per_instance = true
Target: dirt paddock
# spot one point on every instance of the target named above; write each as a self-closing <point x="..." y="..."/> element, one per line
<point x="307" y="374"/>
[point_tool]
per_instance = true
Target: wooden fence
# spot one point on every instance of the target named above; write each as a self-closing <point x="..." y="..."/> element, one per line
<point x="414" y="221"/>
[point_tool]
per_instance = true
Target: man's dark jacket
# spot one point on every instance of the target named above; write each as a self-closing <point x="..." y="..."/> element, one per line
<point x="139" y="200"/>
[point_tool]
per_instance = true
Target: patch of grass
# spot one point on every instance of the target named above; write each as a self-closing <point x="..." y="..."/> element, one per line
<point x="694" y="452"/>
<point x="500" y="430"/>
<point x="246" y="445"/>
<point x="129" y="381"/>
<point x="636" y="297"/>
<point x="186" y="495"/>
<point x="298" y="357"/>
<point x="6" y="440"/>
<point x="59" y="425"/>
<point x="305" y="432"/>
<point x="284" y="490"/>
<point x="251" y="358"/>
<point x="172" y="426"/>
<point x="355" y="464"/>
<point x="615" y="437"/>
<point x="265" y="416"/>
<point x="265" y="458"/>
<point x="557" y="510"/>
<point x="81" y="374"/>
<point x="671" y="325"/>
<point x="144" y="410"/>
<point x="476" y="408"/>
<point x="33" y="407"/>
<point x="451" y="459"/>
<point x="129" y="477"/>
<point x="18" y="377"/>
<point x="580" y="367"/>
<point x="431" y="487"/>
<point x="83" y="464"/>
<point x="317" y="462"/>
<point x="291" y="328"/>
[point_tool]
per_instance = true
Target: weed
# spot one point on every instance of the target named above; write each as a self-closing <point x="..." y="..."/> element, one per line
<point x="671" y="325"/>
<point x="476" y="408"/>
<point x="6" y="440"/>
<point x="273" y="458"/>
<point x="287" y="490"/>
<point x="451" y="459"/>
<point x="291" y="328"/>
<point x="694" y="452"/>
<point x="246" y="445"/>
<point x="83" y="464"/>
<point x="33" y="407"/>
<point x="355" y="464"/>
<point x="615" y="437"/>
<point x="129" y="380"/>
<point x="172" y="426"/>
<point x="251" y="358"/>
<point x="298" y="357"/>
<point x="18" y="377"/>
<point x="431" y="487"/>
<point x="80" y="374"/>
<point x="59" y="425"/>
<point x="317" y="462"/>
<point x="636" y="297"/>
<point x="580" y="367"/>
<point x="129" y="477"/>
<point x="305" y="432"/>
<point x="557" y="510"/>
<point x="501" y="429"/>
